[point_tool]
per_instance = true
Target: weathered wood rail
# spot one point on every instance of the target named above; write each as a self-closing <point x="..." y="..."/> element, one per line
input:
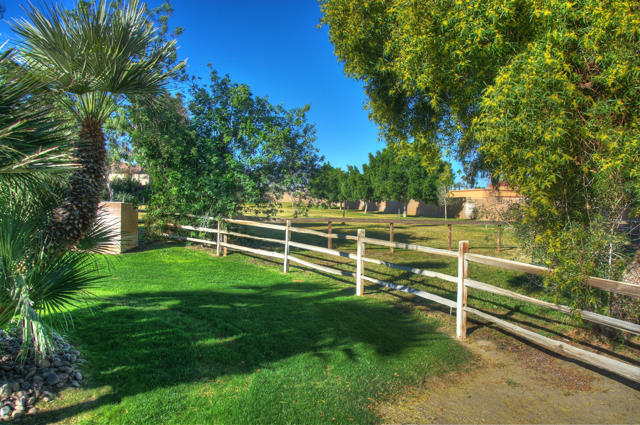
<point x="464" y="283"/>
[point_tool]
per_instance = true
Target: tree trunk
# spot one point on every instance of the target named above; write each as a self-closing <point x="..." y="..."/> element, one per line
<point x="293" y="205"/>
<point x="404" y="204"/>
<point x="445" y="208"/>
<point x="366" y="206"/>
<point x="75" y="217"/>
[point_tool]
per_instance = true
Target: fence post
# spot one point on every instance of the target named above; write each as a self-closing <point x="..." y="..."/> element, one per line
<point x="463" y="273"/>
<point x="328" y="233"/>
<point x="224" y="249"/>
<point x="218" y="240"/>
<point x="391" y="236"/>
<point x="449" y="237"/>
<point x="360" y="263"/>
<point x="499" y="237"/>
<point x="287" y="237"/>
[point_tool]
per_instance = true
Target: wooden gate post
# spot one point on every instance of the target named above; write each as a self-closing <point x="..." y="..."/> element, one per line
<point x="328" y="233"/>
<point x="499" y="237"/>
<point x="360" y="263"/>
<point x="463" y="273"/>
<point x="218" y="240"/>
<point x="391" y="236"/>
<point x="287" y="237"/>
<point x="449" y="236"/>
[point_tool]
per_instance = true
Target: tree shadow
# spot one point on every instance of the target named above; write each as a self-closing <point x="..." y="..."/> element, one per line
<point x="142" y="341"/>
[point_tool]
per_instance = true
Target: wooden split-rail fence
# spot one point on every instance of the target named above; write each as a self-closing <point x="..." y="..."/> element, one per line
<point x="462" y="281"/>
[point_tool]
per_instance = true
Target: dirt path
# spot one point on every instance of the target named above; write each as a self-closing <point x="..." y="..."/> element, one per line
<point x="516" y="383"/>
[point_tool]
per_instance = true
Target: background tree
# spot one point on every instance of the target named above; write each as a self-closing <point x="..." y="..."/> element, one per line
<point x="324" y="184"/>
<point x="444" y="186"/>
<point x="390" y="178"/>
<point x="91" y="58"/>
<point x="402" y="176"/>
<point x="365" y="187"/>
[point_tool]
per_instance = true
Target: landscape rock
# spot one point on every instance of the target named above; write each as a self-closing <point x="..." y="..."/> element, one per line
<point x="5" y="411"/>
<point x="5" y="391"/>
<point x="24" y="383"/>
<point x="52" y="379"/>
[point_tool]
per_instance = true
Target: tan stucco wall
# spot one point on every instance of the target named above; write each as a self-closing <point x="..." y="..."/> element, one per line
<point x="122" y="221"/>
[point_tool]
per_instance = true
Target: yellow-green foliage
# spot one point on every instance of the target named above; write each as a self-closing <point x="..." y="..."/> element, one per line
<point x="543" y="94"/>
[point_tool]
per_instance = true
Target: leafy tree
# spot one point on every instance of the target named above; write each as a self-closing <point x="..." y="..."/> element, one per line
<point x="225" y="149"/>
<point x="292" y="153"/>
<point x="128" y="189"/>
<point x="389" y="176"/>
<point x="91" y="59"/>
<point x="365" y="187"/>
<point x="444" y="186"/>
<point x="402" y="176"/>
<point x="357" y="186"/>
<point x="325" y="183"/>
<point x="540" y="94"/>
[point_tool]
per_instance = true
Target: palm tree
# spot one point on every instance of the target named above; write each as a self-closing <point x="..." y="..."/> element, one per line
<point x="35" y="160"/>
<point x="92" y="59"/>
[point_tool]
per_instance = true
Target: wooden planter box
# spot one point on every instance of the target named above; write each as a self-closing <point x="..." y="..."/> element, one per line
<point x="122" y="219"/>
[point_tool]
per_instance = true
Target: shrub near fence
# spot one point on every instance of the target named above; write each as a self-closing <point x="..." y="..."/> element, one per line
<point x="462" y="280"/>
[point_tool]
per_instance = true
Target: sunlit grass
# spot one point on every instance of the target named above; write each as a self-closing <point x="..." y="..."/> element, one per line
<point x="178" y="336"/>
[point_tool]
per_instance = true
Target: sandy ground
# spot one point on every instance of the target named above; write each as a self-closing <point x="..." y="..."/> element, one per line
<point x="513" y="382"/>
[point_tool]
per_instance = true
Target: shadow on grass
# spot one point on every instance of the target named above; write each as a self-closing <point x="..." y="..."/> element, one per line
<point x="147" y="340"/>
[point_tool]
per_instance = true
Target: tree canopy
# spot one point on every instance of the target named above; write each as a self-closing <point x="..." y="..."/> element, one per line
<point x="541" y="94"/>
<point x="226" y="148"/>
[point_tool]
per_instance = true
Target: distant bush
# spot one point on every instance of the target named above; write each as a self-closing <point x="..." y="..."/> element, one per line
<point x="127" y="189"/>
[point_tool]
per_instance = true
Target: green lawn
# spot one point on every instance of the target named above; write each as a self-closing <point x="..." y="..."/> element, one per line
<point x="178" y="336"/>
<point x="482" y="241"/>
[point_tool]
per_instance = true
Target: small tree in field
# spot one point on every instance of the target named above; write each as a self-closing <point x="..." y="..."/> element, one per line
<point x="445" y="185"/>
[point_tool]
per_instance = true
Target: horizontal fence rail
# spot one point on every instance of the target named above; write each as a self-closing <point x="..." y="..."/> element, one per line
<point x="462" y="280"/>
<point x="390" y="221"/>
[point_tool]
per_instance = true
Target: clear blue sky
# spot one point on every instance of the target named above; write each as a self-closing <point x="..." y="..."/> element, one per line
<point x="276" y="47"/>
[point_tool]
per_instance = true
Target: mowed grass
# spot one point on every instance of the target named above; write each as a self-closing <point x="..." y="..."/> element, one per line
<point x="176" y="335"/>
<point x="482" y="240"/>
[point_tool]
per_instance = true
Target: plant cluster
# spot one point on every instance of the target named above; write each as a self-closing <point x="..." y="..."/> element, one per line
<point x="128" y="189"/>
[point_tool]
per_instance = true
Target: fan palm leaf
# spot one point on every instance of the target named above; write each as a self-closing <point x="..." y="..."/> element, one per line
<point x="33" y="144"/>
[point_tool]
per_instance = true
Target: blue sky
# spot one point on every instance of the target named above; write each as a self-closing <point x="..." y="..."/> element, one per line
<point x="276" y="47"/>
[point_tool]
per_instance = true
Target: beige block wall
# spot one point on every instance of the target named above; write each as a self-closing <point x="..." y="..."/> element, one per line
<point x="487" y="208"/>
<point x="122" y="220"/>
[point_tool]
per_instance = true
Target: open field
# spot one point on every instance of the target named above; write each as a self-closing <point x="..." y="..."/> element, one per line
<point x="178" y="336"/>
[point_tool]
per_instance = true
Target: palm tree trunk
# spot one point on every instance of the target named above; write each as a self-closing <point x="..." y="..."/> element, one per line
<point x="71" y="221"/>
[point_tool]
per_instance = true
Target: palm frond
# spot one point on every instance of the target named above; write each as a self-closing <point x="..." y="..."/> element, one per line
<point x="96" y="48"/>
<point x="32" y="142"/>
<point x="38" y="286"/>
